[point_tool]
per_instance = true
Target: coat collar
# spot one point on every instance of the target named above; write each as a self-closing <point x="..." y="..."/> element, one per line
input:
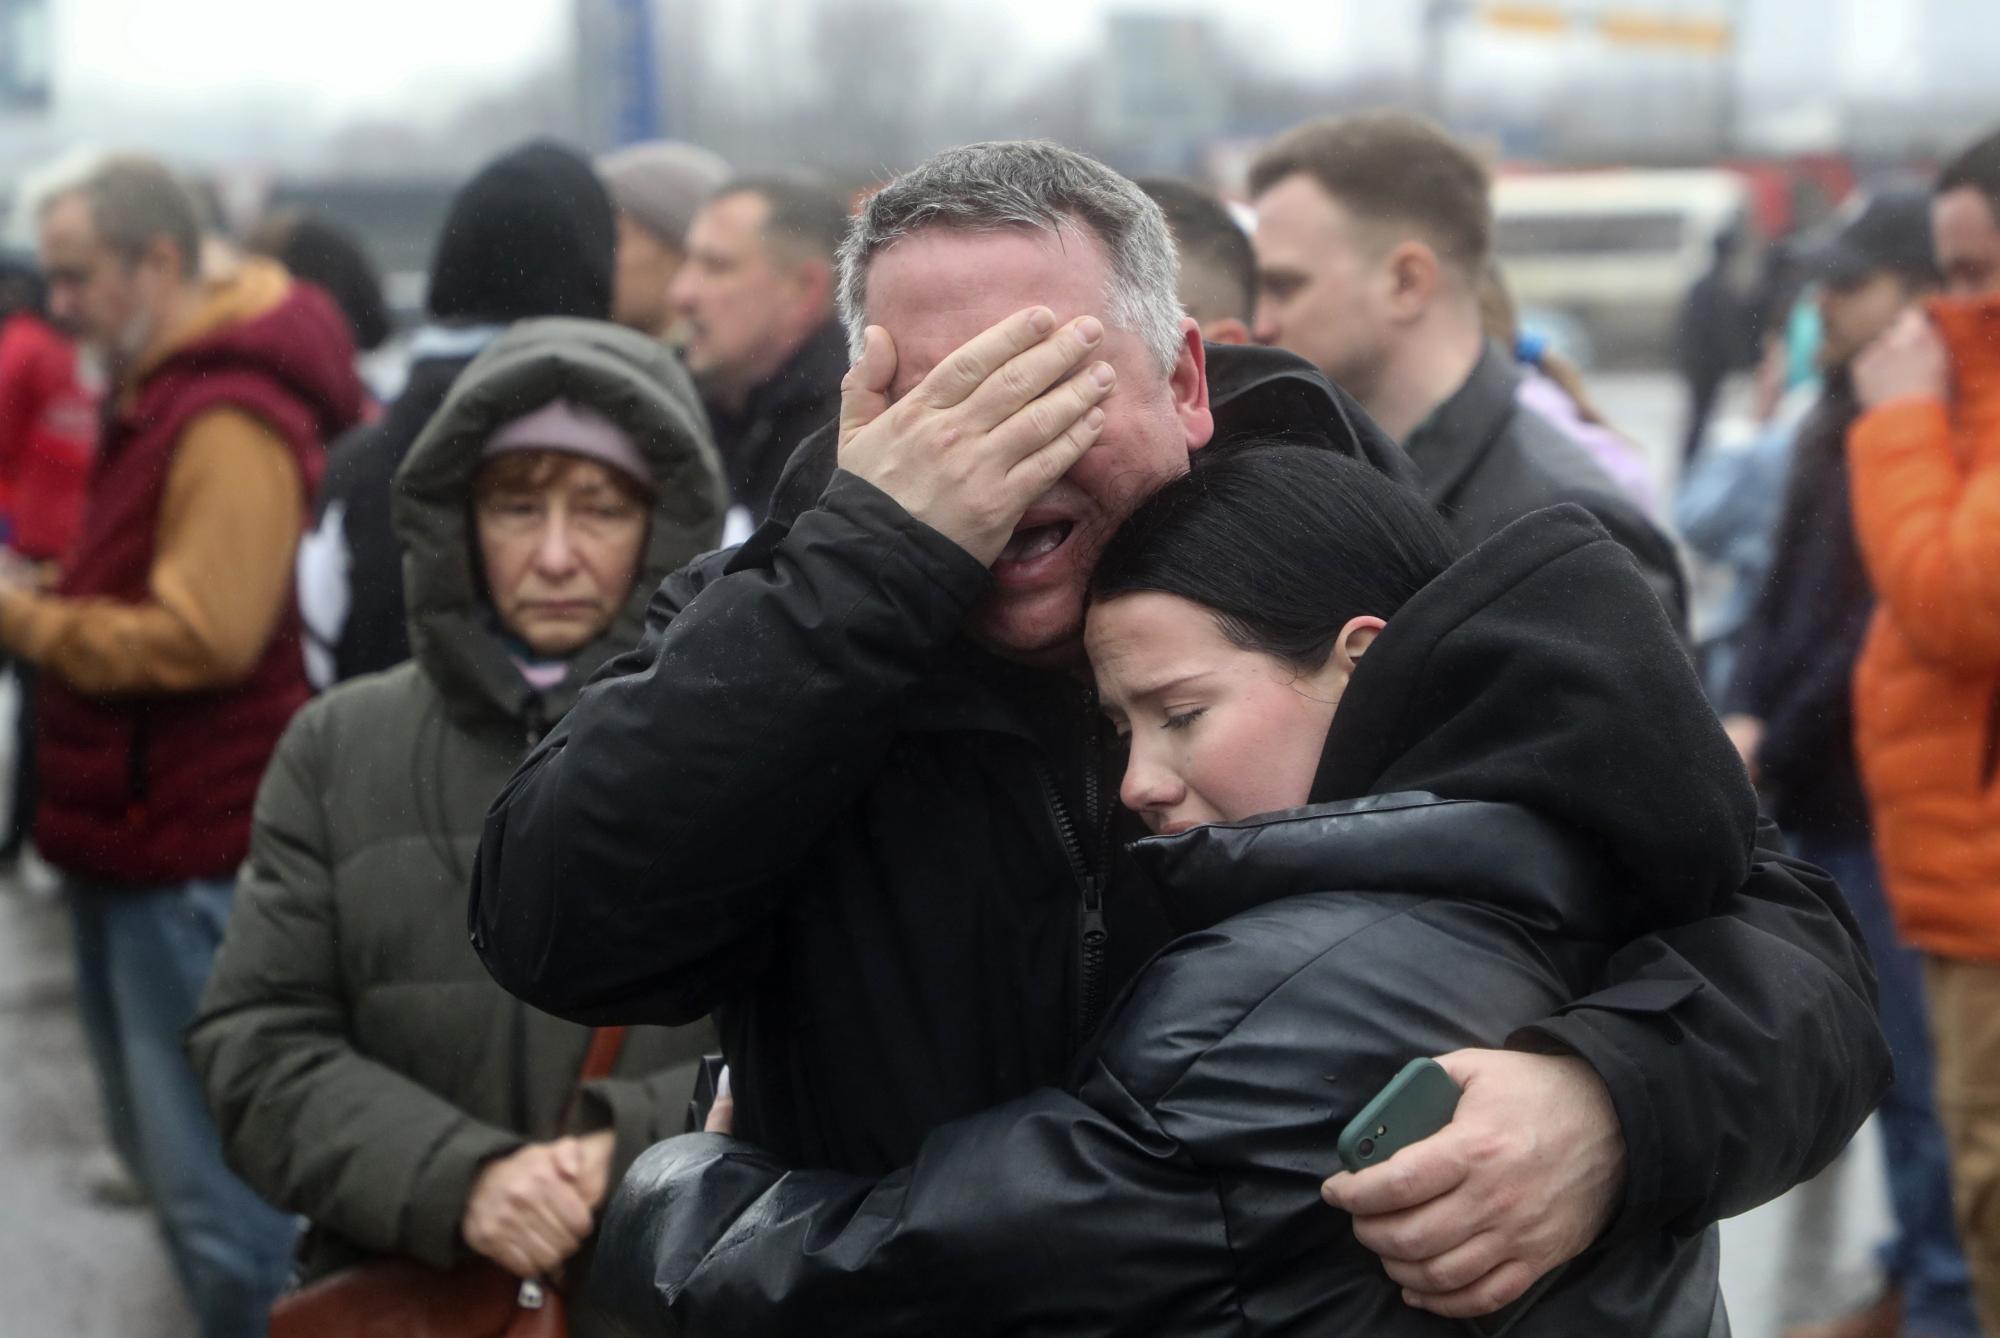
<point x="1408" y="843"/>
<point x="803" y="378"/>
<point x="1448" y="445"/>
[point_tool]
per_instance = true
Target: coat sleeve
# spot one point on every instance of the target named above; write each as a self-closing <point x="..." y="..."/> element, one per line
<point x="1930" y="532"/>
<point x="1039" y="1209"/>
<point x="311" y="1123"/>
<point x="1742" y="1051"/>
<point x="632" y="870"/>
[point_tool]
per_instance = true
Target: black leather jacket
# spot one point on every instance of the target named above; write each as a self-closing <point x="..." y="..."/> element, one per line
<point x="1173" y="1188"/>
<point x="806" y="805"/>
<point x="1170" y="1186"/>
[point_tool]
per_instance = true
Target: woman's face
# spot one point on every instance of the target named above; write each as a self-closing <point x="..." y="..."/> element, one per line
<point x="1218" y="733"/>
<point x="560" y="552"/>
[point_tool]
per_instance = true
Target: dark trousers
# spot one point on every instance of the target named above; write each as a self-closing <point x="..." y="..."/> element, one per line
<point x="1703" y="392"/>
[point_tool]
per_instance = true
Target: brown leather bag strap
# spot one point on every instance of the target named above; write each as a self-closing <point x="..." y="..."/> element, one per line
<point x="602" y="1057"/>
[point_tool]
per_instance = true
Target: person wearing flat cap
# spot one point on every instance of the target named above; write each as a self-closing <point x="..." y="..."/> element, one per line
<point x="656" y="188"/>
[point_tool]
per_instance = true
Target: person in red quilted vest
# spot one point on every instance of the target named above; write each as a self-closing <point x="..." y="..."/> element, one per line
<point x="170" y="664"/>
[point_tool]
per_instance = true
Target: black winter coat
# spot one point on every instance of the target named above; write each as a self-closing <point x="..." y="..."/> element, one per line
<point x="1795" y="671"/>
<point x="797" y="401"/>
<point x="1171" y="1188"/>
<point x="1487" y="460"/>
<point x="806" y="803"/>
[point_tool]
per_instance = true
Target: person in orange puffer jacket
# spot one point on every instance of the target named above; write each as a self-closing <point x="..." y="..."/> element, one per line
<point x="1925" y="463"/>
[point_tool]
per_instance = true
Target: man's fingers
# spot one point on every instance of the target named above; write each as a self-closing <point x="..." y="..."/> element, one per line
<point x="1038" y="473"/>
<point x="1040" y="422"/>
<point x="1024" y="380"/>
<point x="1414" y="1176"/>
<point x="864" y="391"/>
<point x="1499" y="1288"/>
<point x="1451" y="1270"/>
<point x="966" y="370"/>
<point x="1426" y="1231"/>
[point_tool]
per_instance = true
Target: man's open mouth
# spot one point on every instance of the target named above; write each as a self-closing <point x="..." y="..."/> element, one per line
<point x="1034" y="541"/>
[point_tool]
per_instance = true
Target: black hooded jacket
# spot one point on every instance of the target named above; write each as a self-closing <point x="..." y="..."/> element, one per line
<point x="807" y="804"/>
<point x="1478" y="858"/>
<point x="531" y="234"/>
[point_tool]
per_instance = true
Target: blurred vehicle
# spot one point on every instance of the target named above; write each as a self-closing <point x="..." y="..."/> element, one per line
<point x="1614" y="250"/>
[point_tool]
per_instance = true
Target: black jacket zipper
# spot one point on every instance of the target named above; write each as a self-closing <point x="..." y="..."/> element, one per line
<point x="1092" y="938"/>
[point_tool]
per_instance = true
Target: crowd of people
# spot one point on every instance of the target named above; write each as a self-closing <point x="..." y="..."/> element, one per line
<point x="972" y="729"/>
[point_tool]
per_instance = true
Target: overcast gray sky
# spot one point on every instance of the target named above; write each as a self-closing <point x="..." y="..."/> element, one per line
<point x="370" y="55"/>
<point x="276" y="72"/>
<point x="359" y="56"/>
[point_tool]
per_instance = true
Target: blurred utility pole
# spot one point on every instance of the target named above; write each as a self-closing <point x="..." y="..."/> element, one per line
<point x="1433" y="78"/>
<point x="617" y="74"/>
<point x="1730" y="114"/>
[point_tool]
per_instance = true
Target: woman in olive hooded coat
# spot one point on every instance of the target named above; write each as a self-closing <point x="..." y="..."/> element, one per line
<point x="364" y="1069"/>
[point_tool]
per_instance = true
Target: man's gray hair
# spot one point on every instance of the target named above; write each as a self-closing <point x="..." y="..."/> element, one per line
<point x="1027" y="184"/>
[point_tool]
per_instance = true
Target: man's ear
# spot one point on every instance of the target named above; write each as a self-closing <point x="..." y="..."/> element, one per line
<point x="1413" y="274"/>
<point x="1188" y="384"/>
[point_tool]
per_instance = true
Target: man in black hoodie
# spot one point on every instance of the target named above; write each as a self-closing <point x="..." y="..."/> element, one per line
<point x="851" y="794"/>
<point x="531" y="234"/>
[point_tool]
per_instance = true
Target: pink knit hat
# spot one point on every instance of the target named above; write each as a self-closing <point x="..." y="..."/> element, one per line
<point x="574" y="429"/>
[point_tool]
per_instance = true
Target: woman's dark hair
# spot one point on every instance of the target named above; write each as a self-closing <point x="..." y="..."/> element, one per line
<point x="1284" y="543"/>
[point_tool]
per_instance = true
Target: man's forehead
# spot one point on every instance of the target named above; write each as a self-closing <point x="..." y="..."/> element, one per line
<point x="68" y="217"/>
<point x="936" y="289"/>
<point x="1298" y="210"/>
<point x="739" y="215"/>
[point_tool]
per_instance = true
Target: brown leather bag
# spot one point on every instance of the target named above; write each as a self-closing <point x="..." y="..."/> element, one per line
<point x="400" y="1298"/>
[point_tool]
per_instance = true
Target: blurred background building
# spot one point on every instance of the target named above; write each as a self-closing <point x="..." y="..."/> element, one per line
<point x="368" y="111"/>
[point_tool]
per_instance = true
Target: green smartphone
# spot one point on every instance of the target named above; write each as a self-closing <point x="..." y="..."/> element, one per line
<point x="1415" y="1104"/>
